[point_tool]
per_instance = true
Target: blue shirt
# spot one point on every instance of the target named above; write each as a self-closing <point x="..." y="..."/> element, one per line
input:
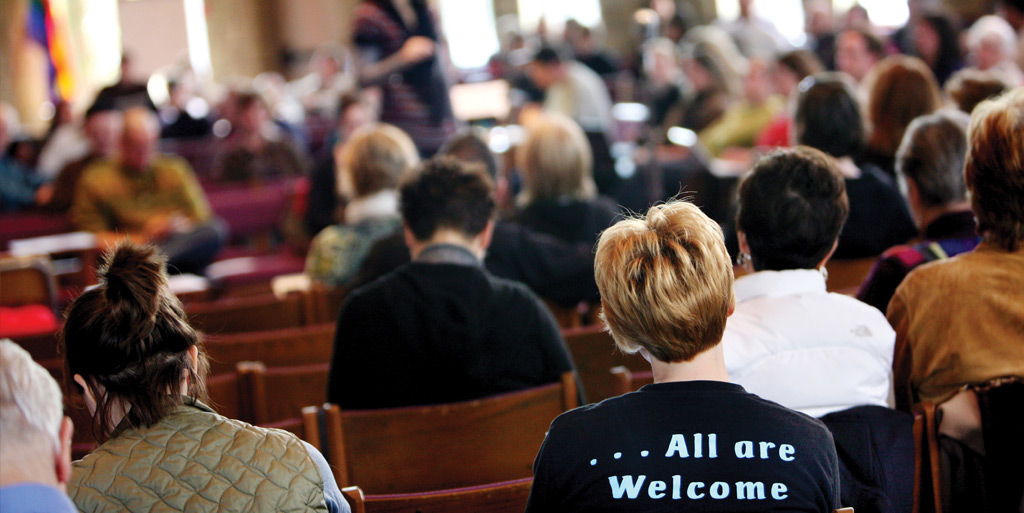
<point x="34" y="498"/>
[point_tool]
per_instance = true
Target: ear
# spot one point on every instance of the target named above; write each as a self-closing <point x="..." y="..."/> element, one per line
<point x="829" y="255"/>
<point x="411" y="241"/>
<point x="742" y="239"/>
<point x="193" y="353"/>
<point x="486" y="235"/>
<point x="90" y="400"/>
<point x="63" y="457"/>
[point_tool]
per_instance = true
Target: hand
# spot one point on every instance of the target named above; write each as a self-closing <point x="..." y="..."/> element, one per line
<point x="416" y="49"/>
<point x="44" y="194"/>
<point x="157" y="228"/>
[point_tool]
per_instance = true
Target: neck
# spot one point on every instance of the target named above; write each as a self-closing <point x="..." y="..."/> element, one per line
<point x="927" y="215"/>
<point x="27" y="465"/>
<point x="706" y="366"/>
<point x="447" y="236"/>
<point x="848" y="167"/>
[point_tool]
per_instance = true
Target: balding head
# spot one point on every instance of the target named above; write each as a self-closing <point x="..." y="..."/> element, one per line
<point x="138" y="138"/>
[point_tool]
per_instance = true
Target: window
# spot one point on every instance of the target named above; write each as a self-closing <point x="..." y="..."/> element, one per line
<point x="469" y="28"/>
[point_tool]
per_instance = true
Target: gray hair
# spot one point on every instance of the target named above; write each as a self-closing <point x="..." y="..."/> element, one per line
<point x="31" y="406"/>
<point x="932" y="154"/>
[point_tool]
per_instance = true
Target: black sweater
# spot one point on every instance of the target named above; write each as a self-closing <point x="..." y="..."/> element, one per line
<point x="437" y="333"/>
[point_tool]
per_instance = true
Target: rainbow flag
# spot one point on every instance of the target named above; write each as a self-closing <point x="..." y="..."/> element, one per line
<point x="46" y="25"/>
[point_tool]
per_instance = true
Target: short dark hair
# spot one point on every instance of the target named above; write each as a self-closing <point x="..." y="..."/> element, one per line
<point x="801" y="62"/>
<point x="470" y="148"/>
<point x="792" y="207"/>
<point x="130" y="336"/>
<point x="932" y="154"/>
<point x="969" y="87"/>
<point x="874" y="44"/>
<point x="828" y="116"/>
<point x="445" y="193"/>
<point x="547" y="55"/>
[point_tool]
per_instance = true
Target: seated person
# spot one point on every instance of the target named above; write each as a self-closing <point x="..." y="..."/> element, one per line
<point x="442" y="329"/>
<point x="35" y="436"/>
<point x="553" y="269"/>
<point x="930" y="161"/>
<point x="369" y="165"/>
<point x="257" y="149"/>
<point x="102" y="127"/>
<point x="961" y="320"/>
<point x="790" y="340"/>
<point x="148" y="197"/>
<point x="828" y="118"/>
<point x="20" y="186"/>
<point x="141" y="368"/>
<point x="741" y="123"/>
<point x="560" y="198"/>
<point x="691" y="441"/>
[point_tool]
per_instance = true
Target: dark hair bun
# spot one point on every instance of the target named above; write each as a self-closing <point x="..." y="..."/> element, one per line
<point x="134" y="279"/>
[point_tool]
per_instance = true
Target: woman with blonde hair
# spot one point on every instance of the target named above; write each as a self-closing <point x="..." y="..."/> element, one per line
<point x="560" y="197"/>
<point x="369" y="166"/>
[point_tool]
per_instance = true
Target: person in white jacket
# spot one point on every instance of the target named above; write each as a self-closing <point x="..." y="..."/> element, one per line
<point x="789" y="340"/>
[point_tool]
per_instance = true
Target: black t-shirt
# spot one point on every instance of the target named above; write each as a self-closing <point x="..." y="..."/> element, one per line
<point x="686" y="446"/>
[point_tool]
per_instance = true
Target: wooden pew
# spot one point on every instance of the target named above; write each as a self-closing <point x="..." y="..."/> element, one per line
<point x="276" y="348"/>
<point x="845" y="276"/>
<point x="421" y="448"/>
<point x="276" y="395"/>
<point x="627" y="381"/>
<point x="242" y="314"/>
<point x="594" y="353"/>
<point x="504" y="497"/>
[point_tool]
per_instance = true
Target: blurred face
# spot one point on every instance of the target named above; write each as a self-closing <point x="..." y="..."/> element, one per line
<point x="103" y="131"/>
<point x="354" y="117"/>
<point x="252" y="118"/>
<point x="542" y="75"/>
<point x="987" y="54"/>
<point x="699" y="77"/>
<point x="784" y="80"/>
<point x="138" y="148"/>
<point x="757" y="85"/>
<point x="852" y="55"/>
<point x="926" y="41"/>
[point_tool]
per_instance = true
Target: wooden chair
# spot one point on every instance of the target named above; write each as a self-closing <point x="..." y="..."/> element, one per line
<point x="969" y="449"/>
<point x="504" y="497"/>
<point x="277" y="348"/>
<point x="566" y="316"/>
<point x="325" y="302"/>
<point x="594" y="352"/>
<point x="421" y="448"/>
<point x="845" y="276"/>
<point x="228" y="396"/>
<point x="627" y="381"/>
<point x="243" y="314"/>
<point x="276" y="395"/>
<point x="28" y="280"/>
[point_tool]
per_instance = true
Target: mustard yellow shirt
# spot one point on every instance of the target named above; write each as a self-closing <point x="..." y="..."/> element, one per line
<point x="109" y="197"/>
<point x="740" y="125"/>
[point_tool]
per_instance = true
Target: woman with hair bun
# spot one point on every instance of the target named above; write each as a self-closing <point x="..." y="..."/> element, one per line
<point x="141" y="368"/>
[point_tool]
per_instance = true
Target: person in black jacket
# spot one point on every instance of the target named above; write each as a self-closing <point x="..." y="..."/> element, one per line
<point x="441" y="328"/>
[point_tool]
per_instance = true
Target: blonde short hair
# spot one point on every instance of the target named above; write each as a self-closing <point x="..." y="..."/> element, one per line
<point x="555" y="159"/>
<point x="373" y="159"/>
<point x="994" y="171"/>
<point x="665" y="281"/>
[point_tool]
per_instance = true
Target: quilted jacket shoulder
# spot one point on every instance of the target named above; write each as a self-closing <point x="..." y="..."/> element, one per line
<point x="196" y="460"/>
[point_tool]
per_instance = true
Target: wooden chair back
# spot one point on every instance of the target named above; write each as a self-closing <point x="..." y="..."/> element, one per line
<point x="325" y="302"/>
<point x="277" y="348"/>
<point x="566" y="316"/>
<point x="845" y="276"/>
<point x="278" y="394"/>
<point x="42" y="346"/>
<point x="627" y="381"/>
<point x="594" y="353"/>
<point x="227" y="396"/>
<point x="28" y="280"/>
<point x="421" y="448"/>
<point x="504" y="497"/>
<point x="245" y="314"/>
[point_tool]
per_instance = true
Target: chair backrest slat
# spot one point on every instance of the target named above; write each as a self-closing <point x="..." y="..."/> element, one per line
<point x="594" y="353"/>
<point x="276" y="348"/>
<point x="504" y="497"/>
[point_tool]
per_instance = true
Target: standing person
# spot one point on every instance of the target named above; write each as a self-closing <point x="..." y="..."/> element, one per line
<point x="141" y="368"/>
<point x="692" y="440"/>
<point x="148" y="197"/>
<point x="441" y="328"/>
<point x="35" y="437"/>
<point x="399" y="48"/>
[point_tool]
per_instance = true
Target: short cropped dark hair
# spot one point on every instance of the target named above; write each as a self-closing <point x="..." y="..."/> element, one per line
<point x="828" y="116"/>
<point x="932" y="154"/>
<point x="470" y="148"/>
<point x="547" y="55"/>
<point x="792" y="207"/>
<point x="445" y="193"/>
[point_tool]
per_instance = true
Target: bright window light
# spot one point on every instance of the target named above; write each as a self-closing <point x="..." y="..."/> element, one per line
<point x="469" y="28"/>
<point x="198" y="38"/>
<point x="555" y="14"/>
